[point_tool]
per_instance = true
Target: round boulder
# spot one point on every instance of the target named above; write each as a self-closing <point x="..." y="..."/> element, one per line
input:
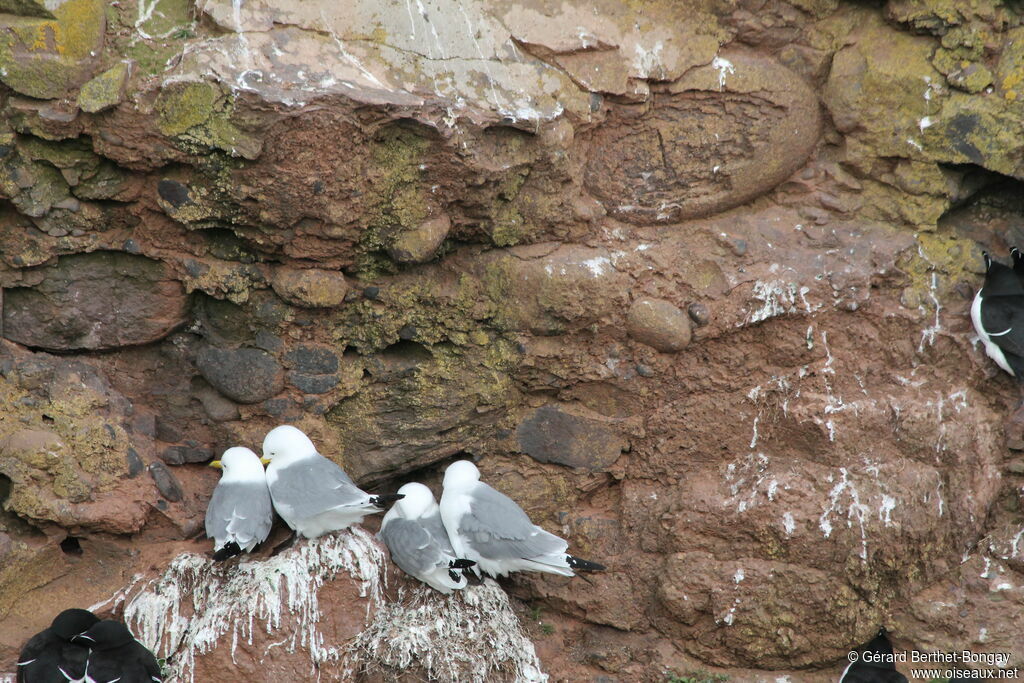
<point x="659" y="324"/>
<point x="720" y="136"/>
<point x="243" y="375"/>
<point x="420" y="244"/>
<point x="310" y="287"/>
<point x="102" y="300"/>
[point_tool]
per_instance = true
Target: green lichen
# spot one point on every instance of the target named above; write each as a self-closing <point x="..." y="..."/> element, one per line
<point x="85" y="454"/>
<point x="74" y="154"/>
<point x="44" y="58"/>
<point x="104" y="91"/>
<point x="961" y="70"/>
<point x="940" y="262"/>
<point x="400" y="200"/>
<point x="34" y="187"/>
<point x="197" y="115"/>
<point x="987" y="131"/>
<point x="507" y="223"/>
<point x="106" y="181"/>
<point x="154" y="44"/>
<point x="26" y="8"/>
<point x="371" y="326"/>
<point x="168" y="19"/>
<point x="231" y="281"/>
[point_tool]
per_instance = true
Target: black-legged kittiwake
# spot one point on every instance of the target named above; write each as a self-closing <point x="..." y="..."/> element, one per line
<point x="486" y="526"/>
<point x="311" y="493"/>
<point x="51" y="655"/>
<point x="998" y="314"/>
<point x="114" y="655"/>
<point x="874" y="663"/>
<point x="240" y="513"/>
<point x="414" y="533"/>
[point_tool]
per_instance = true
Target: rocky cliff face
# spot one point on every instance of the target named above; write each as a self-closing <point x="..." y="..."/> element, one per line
<point x="690" y="280"/>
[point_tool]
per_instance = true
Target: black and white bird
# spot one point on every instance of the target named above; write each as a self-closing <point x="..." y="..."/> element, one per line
<point x="415" y="535"/>
<point x="875" y="663"/>
<point x="240" y="513"/>
<point x="998" y="313"/>
<point x="311" y="493"/>
<point x="114" y="655"/>
<point x="486" y="526"/>
<point x="51" y="656"/>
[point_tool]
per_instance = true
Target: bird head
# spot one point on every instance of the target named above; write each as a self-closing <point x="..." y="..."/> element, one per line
<point x="418" y="501"/>
<point x="240" y="464"/>
<point x="105" y="635"/>
<point x="286" y="442"/>
<point x="71" y="622"/>
<point x="461" y="472"/>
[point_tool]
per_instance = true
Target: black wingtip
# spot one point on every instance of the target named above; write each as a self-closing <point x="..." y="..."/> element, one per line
<point x="385" y="500"/>
<point x="229" y="550"/>
<point x="461" y="564"/>
<point x="584" y="565"/>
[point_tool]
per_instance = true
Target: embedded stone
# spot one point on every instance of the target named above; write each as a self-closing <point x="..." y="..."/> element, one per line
<point x="217" y="407"/>
<point x="722" y="135"/>
<point x="549" y="289"/>
<point x="180" y="455"/>
<point x="106" y="90"/>
<point x="309" y="287"/>
<point x="102" y="300"/>
<point x="420" y="244"/>
<point x="310" y="359"/>
<point x="659" y="324"/>
<point x="552" y="435"/>
<point x="166" y="483"/>
<point x="243" y="375"/>
<point x="313" y="384"/>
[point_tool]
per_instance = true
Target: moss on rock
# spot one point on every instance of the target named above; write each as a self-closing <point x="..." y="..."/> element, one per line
<point x="43" y="57"/>
<point x="106" y="90"/>
<point x="197" y="115"/>
<point x="57" y="451"/>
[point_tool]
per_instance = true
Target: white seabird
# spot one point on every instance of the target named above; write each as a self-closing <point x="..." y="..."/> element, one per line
<point x="240" y="513"/>
<point x="414" y="533"/>
<point x="486" y="526"/>
<point x="311" y="493"/>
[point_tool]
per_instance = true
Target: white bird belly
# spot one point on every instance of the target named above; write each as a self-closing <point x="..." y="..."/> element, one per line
<point x="991" y="349"/>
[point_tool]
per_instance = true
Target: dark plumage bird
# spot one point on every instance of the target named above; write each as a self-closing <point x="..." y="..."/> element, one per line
<point x="998" y="313"/>
<point x="114" y="655"/>
<point x="875" y="664"/>
<point x="50" y="656"/>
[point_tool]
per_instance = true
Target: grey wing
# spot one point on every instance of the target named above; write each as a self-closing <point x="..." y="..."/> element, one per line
<point x="412" y="547"/>
<point x="435" y="527"/>
<point x="316" y="485"/>
<point x="498" y="529"/>
<point x="242" y="509"/>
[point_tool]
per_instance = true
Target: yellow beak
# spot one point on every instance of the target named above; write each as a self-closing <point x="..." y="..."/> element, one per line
<point x="216" y="463"/>
<point x="265" y="461"/>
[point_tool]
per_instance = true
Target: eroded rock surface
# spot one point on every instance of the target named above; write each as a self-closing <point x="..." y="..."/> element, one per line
<point x="689" y="280"/>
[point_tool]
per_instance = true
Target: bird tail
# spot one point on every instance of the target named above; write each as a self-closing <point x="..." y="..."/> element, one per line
<point x="580" y="564"/>
<point x="385" y="500"/>
<point x="230" y="549"/>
